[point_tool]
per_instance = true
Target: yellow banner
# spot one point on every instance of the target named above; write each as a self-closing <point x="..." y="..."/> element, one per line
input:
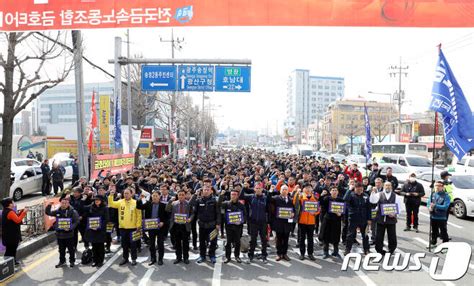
<point x="66" y="146"/>
<point x="104" y="122"/>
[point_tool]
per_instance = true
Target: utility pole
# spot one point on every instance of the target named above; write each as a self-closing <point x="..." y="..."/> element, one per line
<point x="175" y="44"/>
<point x="398" y="71"/>
<point x="79" y="84"/>
<point x="129" y="99"/>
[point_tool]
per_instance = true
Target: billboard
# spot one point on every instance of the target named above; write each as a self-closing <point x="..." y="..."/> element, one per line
<point x="23" y="15"/>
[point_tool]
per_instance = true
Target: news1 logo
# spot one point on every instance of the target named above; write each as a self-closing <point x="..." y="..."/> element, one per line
<point x="455" y="264"/>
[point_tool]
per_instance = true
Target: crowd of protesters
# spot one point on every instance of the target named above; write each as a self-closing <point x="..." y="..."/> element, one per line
<point x="195" y="201"/>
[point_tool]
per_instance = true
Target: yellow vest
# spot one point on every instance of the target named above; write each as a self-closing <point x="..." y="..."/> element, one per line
<point x="129" y="216"/>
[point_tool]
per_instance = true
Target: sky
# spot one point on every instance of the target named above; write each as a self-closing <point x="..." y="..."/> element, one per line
<point x="362" y="55"/>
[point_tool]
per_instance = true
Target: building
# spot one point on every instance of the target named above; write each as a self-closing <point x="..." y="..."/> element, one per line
<point x="344" y="125"/>
<point x="55" y="109"/>
<point x="308" y="98"/>
<point x="26" y="128"/>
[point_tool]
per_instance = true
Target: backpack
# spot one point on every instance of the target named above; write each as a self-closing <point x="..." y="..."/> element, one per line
<point x="86" y="257"/>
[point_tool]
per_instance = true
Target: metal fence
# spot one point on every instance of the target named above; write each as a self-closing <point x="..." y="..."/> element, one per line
<point x="33" y="223"/>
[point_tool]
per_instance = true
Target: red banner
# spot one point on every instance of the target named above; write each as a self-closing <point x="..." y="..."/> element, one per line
<point x="115" y="164"/>
<point x="20" y="15"/>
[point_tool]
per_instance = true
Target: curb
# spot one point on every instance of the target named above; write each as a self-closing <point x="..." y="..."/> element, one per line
<point x="34" y="245"/>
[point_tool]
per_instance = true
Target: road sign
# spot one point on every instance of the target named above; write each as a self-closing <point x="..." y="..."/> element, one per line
<point x="158" y="78"/>
<point x="232" y="79"/>
<point x="195" y="78"/>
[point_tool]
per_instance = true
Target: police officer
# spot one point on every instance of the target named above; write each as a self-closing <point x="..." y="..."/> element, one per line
<point x="209" y="219"/>
<point x="384" y="221"/>
<point x="413" y="192"/>
<point x="234" y="226"/>
<point x="257" y="219"/>
<point x="358" y="211"/>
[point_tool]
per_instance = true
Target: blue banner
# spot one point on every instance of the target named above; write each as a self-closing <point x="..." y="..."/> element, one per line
<point x="448" y="99"/>
<point x="118" y="123"/>
<point x="368" y="140"/>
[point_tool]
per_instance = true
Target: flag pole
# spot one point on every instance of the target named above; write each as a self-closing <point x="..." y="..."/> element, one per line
<point x="433" y="165"/>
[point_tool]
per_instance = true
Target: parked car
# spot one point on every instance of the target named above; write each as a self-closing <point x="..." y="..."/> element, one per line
<point x="337" y="157"/>
<point x="25" y="180"/>
<point x="360" y="160"/>
<point x="66" y="164"/>
<point x="414" y="163"/>
<point x="463" y="192"/>
<point x="465" y="165"/>
<point x="24" y="162"/>
<point x="400" y="172"/>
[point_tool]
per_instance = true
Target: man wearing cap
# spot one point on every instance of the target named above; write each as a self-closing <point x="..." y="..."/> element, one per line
<point x="448" y="187"/>
<point x="358" y="212"/>
<point x="77" y="202"/>
<point x="65" y="224"/>
<point x="438" y="204"/>
<point x="413" y="191"/>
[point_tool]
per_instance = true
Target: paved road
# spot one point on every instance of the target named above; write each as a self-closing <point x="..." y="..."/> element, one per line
<point x="38" y="269"/>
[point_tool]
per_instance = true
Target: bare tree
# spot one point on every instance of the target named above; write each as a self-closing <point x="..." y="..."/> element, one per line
<point x="30" y="66"/>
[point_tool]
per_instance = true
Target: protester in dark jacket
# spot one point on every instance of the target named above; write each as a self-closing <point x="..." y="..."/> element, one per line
<point x="78" y="202"/>
<point x="96" y="217"/>
<point x="413" y="191"/>
<point x="154" y="210"/>
<point x="65" y="224"/>
<point x="283" y="213"/>
<point x="11" y="234"/>
<point x="331" y="224"/>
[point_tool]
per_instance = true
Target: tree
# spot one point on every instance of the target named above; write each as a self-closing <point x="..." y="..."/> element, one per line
<point x="29" y="67"/>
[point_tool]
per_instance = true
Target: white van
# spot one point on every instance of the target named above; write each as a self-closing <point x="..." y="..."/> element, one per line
<point x="465" y="165"/>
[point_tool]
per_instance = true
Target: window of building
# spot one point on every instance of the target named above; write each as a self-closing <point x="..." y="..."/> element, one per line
<point x="326" y="87"/>
<point x="320" y="86"/>
<point x="339" y="88"/>
<point x="320" y="93"/>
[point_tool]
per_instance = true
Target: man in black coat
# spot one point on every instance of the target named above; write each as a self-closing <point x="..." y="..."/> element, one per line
<point x="46" y="183"/>
<point x="66" y="222"/>
<point x="359" y="215"/>
<point x="155" y="213"/>
<point x="413" y="192"/>
<point x="283" y="213"/>
<point x="97" y="216"/>
<point x="235" y="214"/>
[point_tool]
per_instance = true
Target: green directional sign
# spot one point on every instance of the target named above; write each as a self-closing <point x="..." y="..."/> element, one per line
<point x="232" y="71"/>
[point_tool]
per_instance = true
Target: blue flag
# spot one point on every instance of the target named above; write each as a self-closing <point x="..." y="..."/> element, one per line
<point x="118" y="123"/>
<point x="368" y="141"/>
<point x="448" y="99"/>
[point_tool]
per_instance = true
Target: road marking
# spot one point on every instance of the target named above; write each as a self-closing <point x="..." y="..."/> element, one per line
<point x="424" y="267"/>
<point x="422" y="241"/>
<point x="99" y="272"/>
<point x="146" y="278"/>
<point x="33" y="265"/>
<point x="216" y="274"/>
<point x="364" y="277"/>
<point x="449" y="223"/>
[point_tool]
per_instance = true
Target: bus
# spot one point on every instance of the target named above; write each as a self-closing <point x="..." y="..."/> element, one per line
<point x="379" y="149"/>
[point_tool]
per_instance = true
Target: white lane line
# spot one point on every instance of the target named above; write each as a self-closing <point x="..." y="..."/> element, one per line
<point x="362" y="275"/>
<point x="424" y="242"/>
<point x="146" y="278"/>
<point x="99" y="272"/>
<point x="424" y="267"/>
<point x="449" y="223"/>
<point x="216" y="274"/>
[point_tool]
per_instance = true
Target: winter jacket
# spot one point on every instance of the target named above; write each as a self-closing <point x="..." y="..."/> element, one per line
<point x="69" y="213"/>
<point x="102" y="212"/>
